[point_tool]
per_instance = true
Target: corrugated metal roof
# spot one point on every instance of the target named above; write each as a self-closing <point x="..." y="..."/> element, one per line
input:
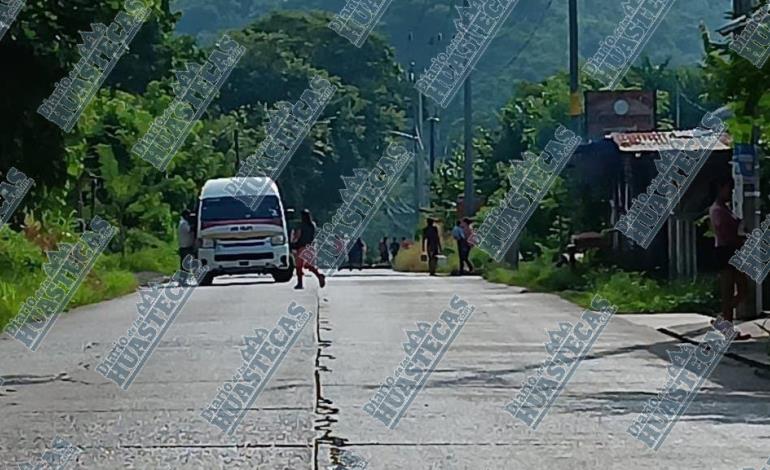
<point x="665" y="140"/>
<point x="733" y="25"/>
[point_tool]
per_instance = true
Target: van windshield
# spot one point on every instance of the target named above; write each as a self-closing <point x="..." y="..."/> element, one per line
<point x="229" y="208"/>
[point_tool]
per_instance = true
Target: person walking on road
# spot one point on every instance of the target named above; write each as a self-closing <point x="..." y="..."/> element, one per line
<point x="459" y="235"/>
<point x="384" y="256"/>
<point x="186" y="237"/>
<point x="356" y="255"/>
<point x="732" y="282"/>
<point x="303" y="238"/>
<point x="468" y="243"/>
<point x="431" y="245"/>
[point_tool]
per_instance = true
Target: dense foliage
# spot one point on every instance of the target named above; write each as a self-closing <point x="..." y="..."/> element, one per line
<point x="91" y="170"/>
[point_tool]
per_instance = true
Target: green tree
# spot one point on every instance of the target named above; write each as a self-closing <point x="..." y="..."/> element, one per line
<point x="353" y="129"/>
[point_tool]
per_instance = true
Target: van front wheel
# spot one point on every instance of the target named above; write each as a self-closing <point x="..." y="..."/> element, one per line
<point x="283" y="276"/>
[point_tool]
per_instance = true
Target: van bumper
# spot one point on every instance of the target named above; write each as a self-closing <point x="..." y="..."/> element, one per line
<point x="265" y="261"/>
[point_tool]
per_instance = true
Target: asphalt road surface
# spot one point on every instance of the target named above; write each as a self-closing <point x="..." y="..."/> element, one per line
<point x="312" y="409"/>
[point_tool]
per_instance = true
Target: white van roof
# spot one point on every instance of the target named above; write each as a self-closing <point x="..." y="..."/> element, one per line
<point x="216" y="187"/>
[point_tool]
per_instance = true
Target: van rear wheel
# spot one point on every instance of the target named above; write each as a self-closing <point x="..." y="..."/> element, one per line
<point x="283" y="276"/>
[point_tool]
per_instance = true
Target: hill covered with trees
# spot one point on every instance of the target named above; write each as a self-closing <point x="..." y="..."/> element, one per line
<point x="531" y="45"/>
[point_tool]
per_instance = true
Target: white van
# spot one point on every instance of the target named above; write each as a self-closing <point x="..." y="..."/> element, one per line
<point x="234" y="239"/>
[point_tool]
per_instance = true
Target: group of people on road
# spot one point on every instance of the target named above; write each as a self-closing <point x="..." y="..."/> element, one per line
<point x="302" y="237"/>
<point x="725" y="224"/>
<point x="431" y="244"/>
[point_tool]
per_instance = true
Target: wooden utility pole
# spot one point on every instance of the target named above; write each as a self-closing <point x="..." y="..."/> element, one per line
<point x="575" y="100"/>
<point x="469" y="203"/>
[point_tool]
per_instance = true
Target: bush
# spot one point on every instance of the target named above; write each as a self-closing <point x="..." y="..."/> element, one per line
<point x="632" y="292"/>
<point x="542" y="274"/>
<point x="112" y="276"/>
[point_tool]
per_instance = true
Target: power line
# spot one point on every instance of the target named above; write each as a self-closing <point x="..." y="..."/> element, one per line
<point x="531" y="35"/>
<point x="687" y="99"/>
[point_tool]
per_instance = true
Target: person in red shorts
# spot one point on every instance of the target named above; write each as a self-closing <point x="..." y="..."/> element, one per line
<point x="303" y="239"/>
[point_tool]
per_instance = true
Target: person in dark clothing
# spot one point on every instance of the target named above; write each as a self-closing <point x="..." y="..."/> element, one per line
<point x="394" y="247"/>
<point x="303" y="239"/>
<point x="356" y="255"/>
<point x="431" y="241"/>
<point x="384" y="256"/>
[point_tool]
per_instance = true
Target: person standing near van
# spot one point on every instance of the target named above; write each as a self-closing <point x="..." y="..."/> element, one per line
<point x="186" y="237"/>
<point x="304" y="237"/>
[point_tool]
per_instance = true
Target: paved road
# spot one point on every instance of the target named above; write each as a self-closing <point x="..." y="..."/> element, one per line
<point x="312" y="408"/>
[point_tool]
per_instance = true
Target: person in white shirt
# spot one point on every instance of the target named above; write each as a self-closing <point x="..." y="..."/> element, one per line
<point x="186" y="237"/>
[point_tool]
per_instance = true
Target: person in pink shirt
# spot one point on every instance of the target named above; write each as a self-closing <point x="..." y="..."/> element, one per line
<point x="732" y="282"/>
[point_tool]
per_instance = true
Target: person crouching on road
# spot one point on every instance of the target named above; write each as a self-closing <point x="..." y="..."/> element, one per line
<point x="303" y="239"/>
<point x="186" y="237"/>
<point x="431" y="241"/>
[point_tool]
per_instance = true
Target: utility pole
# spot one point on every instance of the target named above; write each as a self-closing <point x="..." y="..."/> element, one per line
<point x="468" y="199"/>
<point x="419" y="163"/>
<point x="575" y="101"/>
<point x="237" y="151"/>
<point x="747" y="157"/>
<point x="678" y="105"/>
<point x="433" y="120"/>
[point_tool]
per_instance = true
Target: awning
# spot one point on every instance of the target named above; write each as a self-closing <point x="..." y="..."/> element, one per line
<point x="733" y="26"/>
<point x="657" y="141"/>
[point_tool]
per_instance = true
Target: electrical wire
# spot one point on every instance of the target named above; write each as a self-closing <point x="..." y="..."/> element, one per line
<point x="688" y="100"/>
<point x="531" y="35"/>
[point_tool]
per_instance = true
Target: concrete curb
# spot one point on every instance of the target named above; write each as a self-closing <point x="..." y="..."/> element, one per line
<point x="737" y="357"/>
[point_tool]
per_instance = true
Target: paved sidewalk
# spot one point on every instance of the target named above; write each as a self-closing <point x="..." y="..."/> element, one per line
<point x="693" y="327"/>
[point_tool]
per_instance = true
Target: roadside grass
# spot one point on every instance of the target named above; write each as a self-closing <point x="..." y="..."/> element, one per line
<point x="112" y="276"/>
<point x="632" y="292"/>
